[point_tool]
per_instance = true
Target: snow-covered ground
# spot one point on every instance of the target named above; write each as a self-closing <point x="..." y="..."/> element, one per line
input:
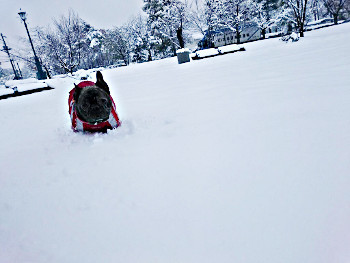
<point x="237" y="158"/>
<point x="22" y="85"/>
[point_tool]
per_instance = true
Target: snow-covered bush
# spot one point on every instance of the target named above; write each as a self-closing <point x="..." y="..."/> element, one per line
<point x="290" y="38"/>
<point x="5" y="75"/>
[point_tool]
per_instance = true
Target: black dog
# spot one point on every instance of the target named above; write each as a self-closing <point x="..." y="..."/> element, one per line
<point x="91" y="107"/>
<point x="93" y="103"/>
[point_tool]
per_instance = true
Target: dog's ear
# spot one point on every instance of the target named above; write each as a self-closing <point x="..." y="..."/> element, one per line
<point x="77" y="93"/>
<point x="101" y="83"/>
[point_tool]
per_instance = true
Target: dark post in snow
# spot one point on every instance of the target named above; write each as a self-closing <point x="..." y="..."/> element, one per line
<point x="18" y="74"/>
<point x="180" y="37"/>
<point x="40" y="74"/>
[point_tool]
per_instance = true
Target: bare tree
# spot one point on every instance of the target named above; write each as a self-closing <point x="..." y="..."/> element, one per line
<point x="196" y="17"/>
<point x="234" y="15"/>
<point x="118" y="44"/>
<point x="315" y="9"/>
<point x="299" y="9"/>
<point x="179" y="14"/>
<point x="212" y="10"/>
<point x="347" y="7"/>
<point x="334" y="7"/>
<point x="64" y="43"/>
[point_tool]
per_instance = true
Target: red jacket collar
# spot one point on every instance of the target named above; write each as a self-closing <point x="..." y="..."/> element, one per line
<point x="84" y="84"/>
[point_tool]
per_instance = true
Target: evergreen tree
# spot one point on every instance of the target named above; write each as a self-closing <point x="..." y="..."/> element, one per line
<point x="266" y="13"/>
<point x="142" y="42"/>
<point x="167" y="20"/>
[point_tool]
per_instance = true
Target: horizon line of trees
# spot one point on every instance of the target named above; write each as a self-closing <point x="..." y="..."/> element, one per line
<point x="70" y="43"/>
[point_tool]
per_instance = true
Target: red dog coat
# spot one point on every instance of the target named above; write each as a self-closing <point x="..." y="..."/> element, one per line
<point x="80" y="125"/>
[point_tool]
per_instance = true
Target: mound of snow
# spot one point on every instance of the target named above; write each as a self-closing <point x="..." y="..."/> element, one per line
<point x="24" y="85"/>
<point x="207" y="53"/>
<point x="230" y="48"/>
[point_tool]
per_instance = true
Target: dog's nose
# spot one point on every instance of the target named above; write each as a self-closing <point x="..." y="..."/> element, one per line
<point x="95" y="107"/>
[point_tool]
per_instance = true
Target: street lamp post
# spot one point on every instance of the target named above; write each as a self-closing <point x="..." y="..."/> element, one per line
<point x="40" y="74"/>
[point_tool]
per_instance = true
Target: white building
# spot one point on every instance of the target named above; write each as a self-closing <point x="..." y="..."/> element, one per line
<point x="227" y="36"/>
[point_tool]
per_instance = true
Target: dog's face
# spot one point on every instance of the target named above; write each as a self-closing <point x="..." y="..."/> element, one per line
<point x="93" y="103"/>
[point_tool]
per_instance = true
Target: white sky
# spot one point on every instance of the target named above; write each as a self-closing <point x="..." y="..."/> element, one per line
<point x="98" y="13"/>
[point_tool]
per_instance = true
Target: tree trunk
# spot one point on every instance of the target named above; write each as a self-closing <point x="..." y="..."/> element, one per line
<point x="172" y="43"/>
<point x="47" y="72"/>
<point x="237" y="26"/>
<point x="301" y="30"/>
<point x="238" y="35"/>
<point x="149" y="55"/>
<point x="335" y="17"/>
<point x="180" y="37"/>
<point x="263" y="33"/>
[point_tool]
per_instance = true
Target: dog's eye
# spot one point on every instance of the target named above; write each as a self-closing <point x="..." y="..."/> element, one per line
<point x="104" y="102"/>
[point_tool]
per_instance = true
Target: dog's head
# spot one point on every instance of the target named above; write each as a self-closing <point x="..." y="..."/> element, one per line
<point x="93" y="103"/>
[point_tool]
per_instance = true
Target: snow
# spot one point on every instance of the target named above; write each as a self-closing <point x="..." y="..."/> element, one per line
<point x="20" y="82"/>
<point x="236" y="158"/>
<point x="210" y="52"/>
<point x="229" y="48"/>
<point x="274" y="34"/>
<point x="84" y="74"/>
<point x="207" y="52"/>
<point x="5" y="91"/>
<point x="182" y="50"/>
<point x="321" y="23"/>
<point x="23" y="85"/>
<point x="294" y="37"/>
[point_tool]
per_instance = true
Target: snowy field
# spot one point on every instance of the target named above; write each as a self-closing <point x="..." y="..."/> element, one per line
<point x="238" y="158"/>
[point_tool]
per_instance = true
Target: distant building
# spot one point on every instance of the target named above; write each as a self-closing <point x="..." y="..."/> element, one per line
<point x="227" y="36"/>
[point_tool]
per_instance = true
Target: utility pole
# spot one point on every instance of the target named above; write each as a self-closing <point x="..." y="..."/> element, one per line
<point x="7" y="50"/>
